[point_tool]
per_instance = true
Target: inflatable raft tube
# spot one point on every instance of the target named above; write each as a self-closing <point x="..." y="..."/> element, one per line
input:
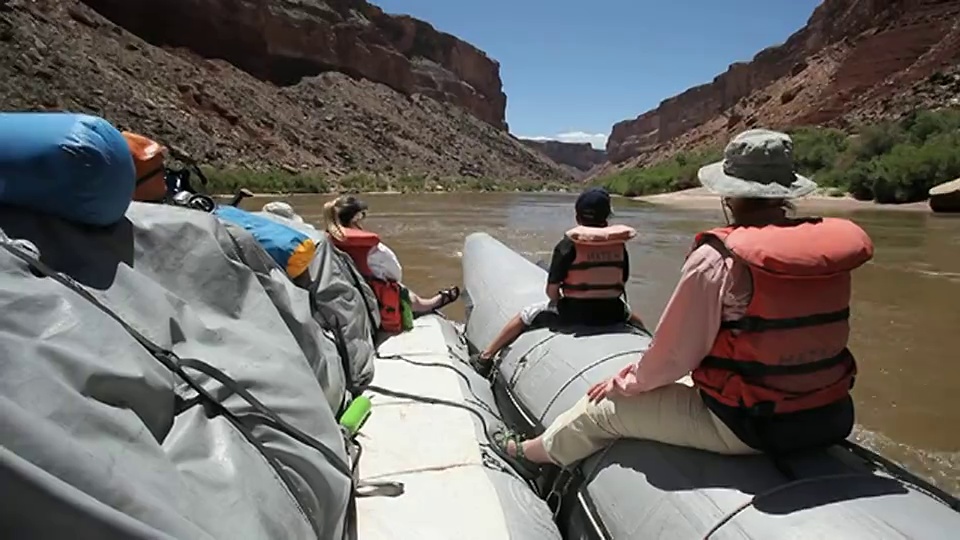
<point x="643" y="489"/>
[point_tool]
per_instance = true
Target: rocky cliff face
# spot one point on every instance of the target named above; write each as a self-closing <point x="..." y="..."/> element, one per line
<point x="854" y="60"/>
<point x="283" y="41"/>
<point x="580" y="156"/>
<point x="63" y="55"/>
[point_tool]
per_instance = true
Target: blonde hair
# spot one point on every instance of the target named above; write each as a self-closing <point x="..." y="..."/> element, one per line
<point x="332" y="211"/>
<point x="331" y="223"/>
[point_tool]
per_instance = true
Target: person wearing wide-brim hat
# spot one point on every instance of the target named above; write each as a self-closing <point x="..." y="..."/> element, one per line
<point x="759" y="320"/>
<point x="757" y="163"/>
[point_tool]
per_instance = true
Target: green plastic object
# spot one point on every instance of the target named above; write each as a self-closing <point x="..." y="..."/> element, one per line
<point x="406" y="310"/>
<point x="356" y="414"/>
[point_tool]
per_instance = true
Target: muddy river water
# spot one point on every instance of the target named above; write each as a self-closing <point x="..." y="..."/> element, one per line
<point x="906" y="309"/>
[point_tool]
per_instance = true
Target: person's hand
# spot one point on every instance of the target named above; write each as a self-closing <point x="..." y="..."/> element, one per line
<point x="601" y="390"/>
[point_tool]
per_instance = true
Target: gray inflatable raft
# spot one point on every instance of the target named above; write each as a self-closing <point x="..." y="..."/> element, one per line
<point x="642" y="489"/>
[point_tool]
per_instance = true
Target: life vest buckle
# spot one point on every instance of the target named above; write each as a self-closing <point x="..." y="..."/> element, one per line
<point x="749" y="324"/>
<point x="761" y="409"/>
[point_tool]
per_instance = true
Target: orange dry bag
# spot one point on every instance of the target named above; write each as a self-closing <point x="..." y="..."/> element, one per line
<point x="148" y="156"/>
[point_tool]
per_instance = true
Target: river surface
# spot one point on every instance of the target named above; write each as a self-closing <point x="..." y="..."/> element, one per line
<point x="906" y="307"/>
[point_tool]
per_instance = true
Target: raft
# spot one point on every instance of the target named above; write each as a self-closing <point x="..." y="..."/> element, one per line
<point x="644" y="489"/>
<point x="945" y="197"/>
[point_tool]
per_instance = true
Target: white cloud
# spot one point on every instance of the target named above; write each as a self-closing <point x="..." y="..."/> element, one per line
<point x="598" y="140"/>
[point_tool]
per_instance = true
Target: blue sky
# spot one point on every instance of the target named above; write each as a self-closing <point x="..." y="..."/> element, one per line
<point x="577" y="67"/>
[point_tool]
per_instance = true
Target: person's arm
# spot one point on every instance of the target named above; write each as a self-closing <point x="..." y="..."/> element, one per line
<point x="687" y="329"/>
<point x="563" y="256"/>
<point x="384" y="264"/>
<point x="626" y="264"/>
<point x="553" y="293"/>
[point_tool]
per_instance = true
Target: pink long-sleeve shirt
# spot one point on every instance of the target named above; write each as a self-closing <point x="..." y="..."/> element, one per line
<point x="712" y="287"/>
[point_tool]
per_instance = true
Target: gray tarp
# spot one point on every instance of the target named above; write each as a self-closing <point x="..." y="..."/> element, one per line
<point x="343" y="300"/>
<point x="643" y="489"/>
<point x="98" y="439"/>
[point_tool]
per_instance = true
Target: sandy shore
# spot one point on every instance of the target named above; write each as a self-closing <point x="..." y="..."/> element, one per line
<point x="700" y="198"/>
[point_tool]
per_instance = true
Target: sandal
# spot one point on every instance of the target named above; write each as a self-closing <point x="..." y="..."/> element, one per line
<point x="501" y="437"/>
<point x="448" y="296"/>
<point x="483" y="366"/>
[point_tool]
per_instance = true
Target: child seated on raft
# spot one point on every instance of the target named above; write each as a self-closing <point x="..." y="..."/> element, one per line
<point x="585" y="282"/>
<point x="377" y="263"/>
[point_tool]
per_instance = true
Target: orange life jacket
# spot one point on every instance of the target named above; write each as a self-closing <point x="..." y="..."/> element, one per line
<point x="788" y="352"/>
<point x="597" y="270"/>
<point x="357" y="244"/>
<point x="148" y="160"/>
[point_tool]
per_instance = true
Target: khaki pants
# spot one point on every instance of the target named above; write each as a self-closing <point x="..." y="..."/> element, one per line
<point x="673" y="414"/>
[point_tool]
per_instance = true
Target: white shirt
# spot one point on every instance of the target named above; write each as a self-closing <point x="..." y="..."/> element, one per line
<point x="384" y="264"/>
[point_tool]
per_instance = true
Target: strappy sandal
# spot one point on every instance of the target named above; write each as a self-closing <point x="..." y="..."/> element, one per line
<point x="501" y="437"/>
<point x="483" y="366"/>
<point x="448" y="296"/>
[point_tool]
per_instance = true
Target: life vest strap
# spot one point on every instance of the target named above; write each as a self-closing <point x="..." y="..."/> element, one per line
<point x="590" y="287"/>
<point x="761" y="324"/>
<point x="596" y="264"/>
<point x="759" y="369"/>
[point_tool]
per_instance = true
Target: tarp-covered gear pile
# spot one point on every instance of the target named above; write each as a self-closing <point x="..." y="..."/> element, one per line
<point x="342" y="301"/>
<point x="160" y="376"/>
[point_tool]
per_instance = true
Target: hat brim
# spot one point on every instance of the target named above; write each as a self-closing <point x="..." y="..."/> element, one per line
<point x="714" y="179"/>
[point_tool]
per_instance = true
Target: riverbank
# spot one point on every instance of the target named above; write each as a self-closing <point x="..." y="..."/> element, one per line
<point x="282" y="182"/>
<point x="891" y="162"/>
<point x="700" y="199"/>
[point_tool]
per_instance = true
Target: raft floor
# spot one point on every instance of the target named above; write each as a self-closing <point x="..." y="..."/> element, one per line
<point x="432" y="449"/>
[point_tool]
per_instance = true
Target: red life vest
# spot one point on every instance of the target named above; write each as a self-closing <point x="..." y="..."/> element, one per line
<point x="597" y="270"/>
<point x="357" y="243"/>
<point x="789" y="351"/>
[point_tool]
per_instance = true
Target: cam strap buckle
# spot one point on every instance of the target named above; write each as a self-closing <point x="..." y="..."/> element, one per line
<point x="761" y="409"/>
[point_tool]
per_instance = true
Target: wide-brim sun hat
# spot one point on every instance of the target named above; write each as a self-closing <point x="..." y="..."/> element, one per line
<point x="758" y="164"/>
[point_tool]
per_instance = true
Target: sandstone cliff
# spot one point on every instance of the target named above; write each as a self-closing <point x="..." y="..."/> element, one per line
<point x="853" y="60"/>
<point x="284" y="41"/>
<point x="63" y="55"/>
<point x="580" y="156"/>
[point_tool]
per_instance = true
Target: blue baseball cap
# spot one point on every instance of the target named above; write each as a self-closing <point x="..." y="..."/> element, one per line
<point x="594" y="205"/>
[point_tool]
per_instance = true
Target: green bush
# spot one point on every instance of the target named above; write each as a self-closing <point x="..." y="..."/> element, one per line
<point x="890" y="162"/>
<point x="674" y="174"/>
<point x="264" y="181"/>
<point x="816" y="149"/>
<point x="911" y="169"/>
<point x="226" y="181"/>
